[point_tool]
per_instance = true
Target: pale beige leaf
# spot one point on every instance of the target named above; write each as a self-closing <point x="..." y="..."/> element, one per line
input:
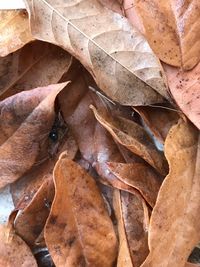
<point x="118" y="57"/>
<point x="79" y="231"/>
<point x="174" y="226"/>
<point x="14" y="31"/>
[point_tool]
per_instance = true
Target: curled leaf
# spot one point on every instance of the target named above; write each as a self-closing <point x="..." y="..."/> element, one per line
<point x="25" y="122"/>
<point x="174" y="227"/>
<point x="134" y="137"/>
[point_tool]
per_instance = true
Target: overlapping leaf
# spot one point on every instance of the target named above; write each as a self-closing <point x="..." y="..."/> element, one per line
<point x="171" y="28"/>
<point x="15" y="31"/>
<point x="25" y="122"/>
<point x="118" y="57"/>
<point x="174" y="226"/>
<point x="79" y="231"/>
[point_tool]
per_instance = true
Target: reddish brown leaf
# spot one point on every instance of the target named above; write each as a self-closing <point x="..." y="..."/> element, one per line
<point x="139" y="176"/>
<point x="78" y="231"/>
<point x="25" y="122"/>
<point x="37" y="64"/>
<point x="30" y="222"/>
<point x="132" y="217"/>
<point x="134" y="137"/>
<point x="159" y="120"/>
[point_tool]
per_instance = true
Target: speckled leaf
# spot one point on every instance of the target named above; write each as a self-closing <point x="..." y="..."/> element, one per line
<point x="174" y="226"/>
<point x="79" y="231"/>
<point x="14" y="31"/>
<point x="118" y="57"/>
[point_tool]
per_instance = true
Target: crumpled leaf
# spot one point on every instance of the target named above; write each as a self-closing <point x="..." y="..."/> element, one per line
<point x="13" y="250"/>
<point x="30" y="222"/>
<point x="174" y="227"/>
<point x="159" y="120"/>
<point x="132" y="218"/>
<point x="36" y="64"/>
<point x="139" y="176"/>
<point x="171" y="28"/>
<point x="15" y="31"/>
<point x="118" y="57"/>
<point x="134" y="137"/>
<point x="78" y="230"/>
<point x="185" y="88"/>
<point x="25" y="122"/>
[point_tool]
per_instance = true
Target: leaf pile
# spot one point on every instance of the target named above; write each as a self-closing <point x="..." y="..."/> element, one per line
<point x="99" y="133"/>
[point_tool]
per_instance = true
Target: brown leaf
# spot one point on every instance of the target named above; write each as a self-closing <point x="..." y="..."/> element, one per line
<point x="132" y="214"/>
<point x="36" y="64"/>
<point x="159" y="120"/>
<point x="78" y="231"/>
<point x="13" y="250"/>
<point x="30" y="222"/>
<point x="171" y="28"/>
<point x="25" y="122"/>
<point x="185" y="88"/>
<point x="174" y="226"/>
<point x="118" y="57"/>
<point x="24" y="189"/>
<point x="15" y="31"/>
<point x="140" y="177"/>
<point x="134" y="137"/>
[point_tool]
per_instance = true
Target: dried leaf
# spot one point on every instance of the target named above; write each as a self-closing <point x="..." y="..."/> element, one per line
<point x="15" y="31"/>
<point x="139" y="176"/>
<point x="159" y="120"/>
<point x="37" y="64"/>
<point x="134" y="137"/>
<point x="78" y="231"/>
<point x="171" y="28"/>
<point x="184" y="86"/>
<point x="30" y="222"/>
<point x="13" y="250"/>
<point x="25" y="122"/>
<point x="118" y="57"/>
<point x="174" y="226"/>
<point x="131" y="212"/>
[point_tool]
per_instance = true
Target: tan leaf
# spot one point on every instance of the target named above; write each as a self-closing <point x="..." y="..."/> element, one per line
<point x="30" y="222"/>
<point x="174" y="227"/>
<point x="134" y="137"/>
<point x="131" y="213"/>
<point x="159" y="120"/>
<point x="118" y="57"/>
<point x="25" y="122"/>
<point x="185" y="88"/>
<point x="15" y="31"/>
<point x="171" y="28"/>
<point x="13" y="250"/>
<point x="36" y="64"/>
<point x="139" y="176"/>
<point x="78" y="231"/>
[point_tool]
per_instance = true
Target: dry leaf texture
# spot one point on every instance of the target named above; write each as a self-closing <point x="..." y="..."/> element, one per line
<point x="118" y="57"/>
